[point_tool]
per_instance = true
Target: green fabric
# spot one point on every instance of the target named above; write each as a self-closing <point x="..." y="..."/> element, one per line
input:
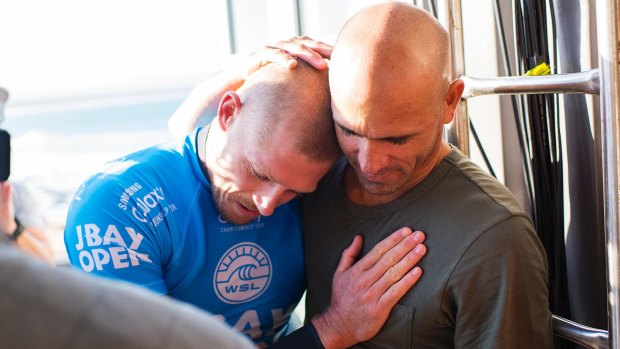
<point x="484" y="282"/>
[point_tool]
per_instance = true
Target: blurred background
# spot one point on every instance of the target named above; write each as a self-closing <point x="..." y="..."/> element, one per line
<point x="91" y="80"/>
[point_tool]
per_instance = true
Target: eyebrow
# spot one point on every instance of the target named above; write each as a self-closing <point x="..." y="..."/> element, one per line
<point x="386" y="139"/>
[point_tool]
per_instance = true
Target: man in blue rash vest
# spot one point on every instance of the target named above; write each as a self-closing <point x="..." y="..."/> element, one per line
<point x="197" y="221"/>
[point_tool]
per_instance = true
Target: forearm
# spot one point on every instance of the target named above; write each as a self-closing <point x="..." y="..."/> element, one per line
<point x="202" y="103"/>
<point x="34" y="242"/>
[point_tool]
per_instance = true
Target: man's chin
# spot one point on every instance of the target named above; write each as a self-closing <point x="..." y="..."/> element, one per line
<point x="242" y="222"/>
<point x="379" y="188"/>
<point x="238" y="220"/>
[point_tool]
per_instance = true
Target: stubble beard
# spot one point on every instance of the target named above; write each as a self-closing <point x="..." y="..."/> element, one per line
<point x="225" y="206"/>
<point x="379" y="188"/>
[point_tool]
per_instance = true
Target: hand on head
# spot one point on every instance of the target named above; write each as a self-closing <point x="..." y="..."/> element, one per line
<point x="286" y="52"/>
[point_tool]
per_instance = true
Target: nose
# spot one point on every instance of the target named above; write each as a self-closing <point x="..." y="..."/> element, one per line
<point x="371" y="157"/>
<point x="267" y="200"/>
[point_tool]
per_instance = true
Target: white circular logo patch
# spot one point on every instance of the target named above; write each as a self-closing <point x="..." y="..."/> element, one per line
<point x="243" y="273"/>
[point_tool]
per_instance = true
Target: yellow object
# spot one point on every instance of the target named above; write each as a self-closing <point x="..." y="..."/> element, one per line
<point x="541" y="69"/>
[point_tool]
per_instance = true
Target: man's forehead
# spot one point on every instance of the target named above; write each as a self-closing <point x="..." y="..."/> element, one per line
<point x="377" y="123"/>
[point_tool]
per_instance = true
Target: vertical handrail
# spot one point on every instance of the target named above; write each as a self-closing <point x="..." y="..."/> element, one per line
<point x="230" y="17"/>
<point x="450" y="15"/>
<point x="607" y="33"/>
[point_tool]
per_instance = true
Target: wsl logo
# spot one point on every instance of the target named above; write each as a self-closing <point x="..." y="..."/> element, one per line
<point x="242" y="274"/>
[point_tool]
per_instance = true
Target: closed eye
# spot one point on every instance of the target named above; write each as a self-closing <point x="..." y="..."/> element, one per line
<point x="394" y="140"/>
<point x="257" y="175"/>
<point x="398" y="141"/>
<point x="346" y="131"/>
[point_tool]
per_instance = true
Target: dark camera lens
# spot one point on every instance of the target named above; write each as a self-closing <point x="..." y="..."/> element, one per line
<point x="5" y="155"/>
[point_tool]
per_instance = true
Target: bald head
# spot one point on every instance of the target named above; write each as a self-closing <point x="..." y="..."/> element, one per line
<point x="391" y="46"/>
<point x="295" y="102"/>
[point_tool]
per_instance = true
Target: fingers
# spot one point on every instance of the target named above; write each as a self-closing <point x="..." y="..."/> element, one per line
<point x="391" y="257"/>
<point x="350" y="254"/>
<point x="5" y="193"/>
<point x="398" y="290"/>
<point x="311" y="51"/>
<point x="269" y="54"/>
<point x="395" y="273"/>
<point x="380" y="249"/>
<point x="286" y="53"/>
<point x="322" y="48"/>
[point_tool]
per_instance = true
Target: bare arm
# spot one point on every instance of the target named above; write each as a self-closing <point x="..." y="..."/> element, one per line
<point x="32" y="240"/>
<point x="203" y="100"/>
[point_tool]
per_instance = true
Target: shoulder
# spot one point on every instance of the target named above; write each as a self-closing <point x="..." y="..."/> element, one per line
<point x="478" y="181"/>
<point x="129" y="174"/>
<point x="329" y="183"/>
<point x="512" y="239"/>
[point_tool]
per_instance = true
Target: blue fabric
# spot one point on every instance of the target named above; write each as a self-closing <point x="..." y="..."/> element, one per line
<point x="149" y="219"/>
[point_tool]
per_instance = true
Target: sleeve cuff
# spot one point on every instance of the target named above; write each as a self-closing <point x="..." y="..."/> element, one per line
<point x="305" y="337"/>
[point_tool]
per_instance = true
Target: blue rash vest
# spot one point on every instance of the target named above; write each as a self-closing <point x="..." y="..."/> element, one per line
<point x="149" y="218"/>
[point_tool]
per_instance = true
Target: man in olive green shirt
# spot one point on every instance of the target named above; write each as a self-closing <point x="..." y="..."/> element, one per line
<point x="485" y="271"/>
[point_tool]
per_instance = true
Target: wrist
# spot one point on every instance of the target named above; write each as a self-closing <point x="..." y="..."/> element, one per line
<point x="15" y="229"/>
<point x="329" y="332"/>
<point x="10" y="228"/>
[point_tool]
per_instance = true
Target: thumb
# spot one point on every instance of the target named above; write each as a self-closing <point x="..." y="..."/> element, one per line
<point x="6" y="192"/>
<point x="350" y="254"/>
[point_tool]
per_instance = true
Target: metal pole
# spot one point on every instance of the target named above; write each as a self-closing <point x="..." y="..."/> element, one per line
<point x="577" y="333"/>
<point x="232" y="38"/>
<point x="607" y="33"/>
<point x="583" y="82"/>
<point x="298" y="23"/>
<point x="450" y="15"/>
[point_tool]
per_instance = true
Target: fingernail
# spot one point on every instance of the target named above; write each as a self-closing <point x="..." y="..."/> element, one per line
<point x="416" y="271"/>
<point x="405" y="231"/>
<point x="418" y="236"/>
<point x="419" y="249"/>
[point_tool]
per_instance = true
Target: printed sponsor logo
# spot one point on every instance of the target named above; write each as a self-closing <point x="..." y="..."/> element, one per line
<point x="243" y="273"/>
<point x="250" y="323"/>
<point x="143" y="205"/>
<point x="146" y="203"/>
<point x="256" y="224"/>
<point x="127" y="193"/>
<point x="221" y="219"/>
<point x="162" y="215"/>
<point x="120" y="255"/>
<point x="78" y="194"/>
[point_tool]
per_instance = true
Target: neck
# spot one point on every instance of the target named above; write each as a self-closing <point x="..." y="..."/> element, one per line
<point x="357" y="194"/>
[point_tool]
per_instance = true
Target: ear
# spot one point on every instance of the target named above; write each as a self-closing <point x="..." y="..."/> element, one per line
<point x="230" y="104"/>
<point x="452" y="98"/>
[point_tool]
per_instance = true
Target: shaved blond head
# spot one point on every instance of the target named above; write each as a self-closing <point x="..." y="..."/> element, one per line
<point x="294" y="100"/>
